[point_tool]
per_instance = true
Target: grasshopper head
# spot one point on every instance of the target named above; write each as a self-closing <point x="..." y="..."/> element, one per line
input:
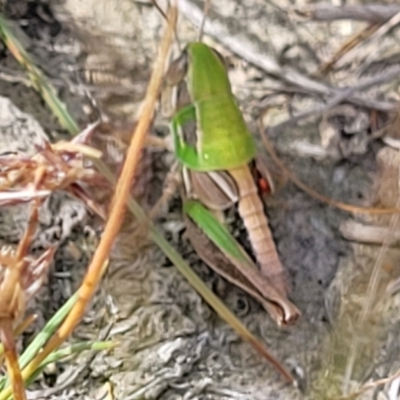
<point x="177" y="70"/>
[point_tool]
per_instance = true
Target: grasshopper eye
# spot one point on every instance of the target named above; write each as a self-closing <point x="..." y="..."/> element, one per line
<point x="183" y="97"/>
<point x="177" y="70"/>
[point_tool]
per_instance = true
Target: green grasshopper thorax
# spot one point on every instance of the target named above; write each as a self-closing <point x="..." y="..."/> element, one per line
<point x="208" y="128"/>
<point x="208" y="67"/>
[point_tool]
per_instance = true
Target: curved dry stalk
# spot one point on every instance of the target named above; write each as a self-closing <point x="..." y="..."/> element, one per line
<point x="313" y="193"/>
<point x="118" y="204"/>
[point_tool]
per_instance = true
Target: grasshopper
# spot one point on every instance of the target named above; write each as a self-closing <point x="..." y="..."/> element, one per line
<point x="217" y="154"/>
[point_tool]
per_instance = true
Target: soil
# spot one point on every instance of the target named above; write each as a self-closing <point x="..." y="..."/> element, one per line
<point x="98" y="54"/>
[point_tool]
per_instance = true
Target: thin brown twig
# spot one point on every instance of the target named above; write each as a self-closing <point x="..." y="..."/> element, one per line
<point x="375" y="36"/>
<point x="164" y="15"/>
<point x="206" y="8"/>
<point x="324" y="199"/>
<point x="118" y="203"/>
<point x="348" y="45"/>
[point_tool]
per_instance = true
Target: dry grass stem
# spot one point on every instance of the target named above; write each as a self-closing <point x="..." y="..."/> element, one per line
<point x="118" y="204"/>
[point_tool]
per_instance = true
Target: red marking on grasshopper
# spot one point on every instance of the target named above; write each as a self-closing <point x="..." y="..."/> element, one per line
<point x="263" y="186"/>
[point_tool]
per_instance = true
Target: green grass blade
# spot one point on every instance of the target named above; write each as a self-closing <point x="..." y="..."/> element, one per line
<point x="44" y="335"/>
<point x="75" y="348"/>
<point x="37" y="78"/>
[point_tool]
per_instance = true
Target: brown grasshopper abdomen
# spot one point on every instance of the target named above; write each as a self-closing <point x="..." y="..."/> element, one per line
<point x="251" y="210"/>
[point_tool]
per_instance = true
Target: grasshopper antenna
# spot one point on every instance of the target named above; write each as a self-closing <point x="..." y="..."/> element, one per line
<point x="161" y="11"/>
<point x="205" y="12"/>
